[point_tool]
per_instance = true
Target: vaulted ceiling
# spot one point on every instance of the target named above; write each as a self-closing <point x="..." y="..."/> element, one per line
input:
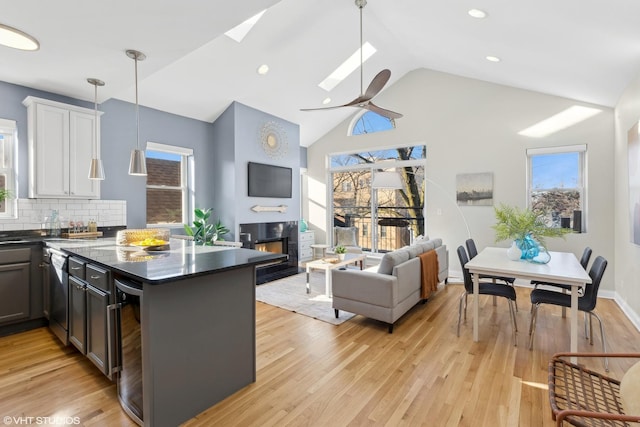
<point x="584" y="50"/>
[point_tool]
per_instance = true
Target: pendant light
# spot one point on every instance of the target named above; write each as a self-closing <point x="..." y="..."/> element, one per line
<point x="138" y="163"/>
<point x="95" y="169"/>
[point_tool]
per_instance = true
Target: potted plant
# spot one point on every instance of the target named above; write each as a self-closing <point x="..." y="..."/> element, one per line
<point x="4" y="195"/>
<point x="340" y="251"/>
<point x="527" y="229"/>
<point x="202" y="232"/>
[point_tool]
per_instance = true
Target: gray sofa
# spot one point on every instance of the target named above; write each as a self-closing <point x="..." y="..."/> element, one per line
<point x="389" y="290"/>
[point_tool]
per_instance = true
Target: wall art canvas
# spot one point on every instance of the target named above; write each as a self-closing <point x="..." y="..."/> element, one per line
<point x="474" y="189"/>
<point x="633" y="141"/>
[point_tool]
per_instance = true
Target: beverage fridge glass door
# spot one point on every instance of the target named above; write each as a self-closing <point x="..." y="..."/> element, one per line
<point x="129" y="300"/>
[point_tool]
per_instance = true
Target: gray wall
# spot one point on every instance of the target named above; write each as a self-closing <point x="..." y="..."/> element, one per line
<point x="11" y="108"/>
<point x="224" y="174"/>
<point x="237" y="142"/>
<point x="221" y="152"/>
<point x="119" y="138"/>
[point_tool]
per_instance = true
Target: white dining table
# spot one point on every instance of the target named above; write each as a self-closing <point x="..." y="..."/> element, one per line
<point x="564" y="268"/>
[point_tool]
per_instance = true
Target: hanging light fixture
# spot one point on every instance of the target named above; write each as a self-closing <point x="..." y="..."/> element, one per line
<point x="95" y="169"/>
<point x="138" y="164"/>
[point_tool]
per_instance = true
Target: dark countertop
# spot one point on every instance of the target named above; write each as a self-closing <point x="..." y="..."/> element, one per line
<point x="183" y="259"/>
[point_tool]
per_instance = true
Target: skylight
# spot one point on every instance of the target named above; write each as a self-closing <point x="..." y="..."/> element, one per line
<point x="347" y="67"/>
<point x="239" y="32"/>
<point x="562" y="120"/>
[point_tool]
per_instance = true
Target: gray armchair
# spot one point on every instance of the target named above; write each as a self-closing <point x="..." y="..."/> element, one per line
<point x="347" y="237"/>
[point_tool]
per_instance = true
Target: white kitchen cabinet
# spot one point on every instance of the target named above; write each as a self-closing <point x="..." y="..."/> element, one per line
<point x="61" y="141"/>
<point x="306" y="239"/>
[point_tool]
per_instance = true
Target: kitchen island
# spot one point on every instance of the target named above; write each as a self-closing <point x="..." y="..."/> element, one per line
<point x="196" y="322"/>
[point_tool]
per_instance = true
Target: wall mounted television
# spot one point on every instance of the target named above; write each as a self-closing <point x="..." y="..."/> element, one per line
<point x="269" y="180"/>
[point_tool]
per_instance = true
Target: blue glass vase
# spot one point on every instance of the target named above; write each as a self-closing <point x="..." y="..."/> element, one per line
<point x="532" y="250"/>
<point x="543" y="256"/>
<point x="528" y="246"/>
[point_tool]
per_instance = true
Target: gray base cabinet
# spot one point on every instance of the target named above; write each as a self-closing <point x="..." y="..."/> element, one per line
<point x="96" y="315"/>
<point x="77" y="313"/>
<point x="15" y="284"/>
<point x="14" y="292"/>
<point x="89" y="296"/>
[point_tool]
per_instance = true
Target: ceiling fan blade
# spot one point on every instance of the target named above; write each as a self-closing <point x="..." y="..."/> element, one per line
<point x="322" y="108"/>
<point x="377" y="83"/>
<point x="383" y="112"/>
<point x="354" y="103"/>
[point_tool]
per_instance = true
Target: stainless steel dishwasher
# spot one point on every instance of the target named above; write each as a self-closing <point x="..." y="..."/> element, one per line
<point x="59" y="295"/>
<point x="129" y="305"/>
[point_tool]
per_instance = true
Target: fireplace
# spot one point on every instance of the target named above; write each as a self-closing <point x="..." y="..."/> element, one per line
<point x="276" y="237"/>
<point x="276" y="247"/>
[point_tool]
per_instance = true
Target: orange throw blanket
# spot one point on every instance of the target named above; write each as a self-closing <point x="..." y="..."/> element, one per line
<point x="429" y="274"/>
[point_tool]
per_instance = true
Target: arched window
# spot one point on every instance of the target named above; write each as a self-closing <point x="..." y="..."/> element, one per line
<point x="371" y="122"/>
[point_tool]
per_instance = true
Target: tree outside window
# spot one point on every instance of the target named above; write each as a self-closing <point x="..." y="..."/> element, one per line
<point x="386" y="219"/>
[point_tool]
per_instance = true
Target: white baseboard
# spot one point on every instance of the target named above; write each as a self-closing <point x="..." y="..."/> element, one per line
<point x="628" y="311"/>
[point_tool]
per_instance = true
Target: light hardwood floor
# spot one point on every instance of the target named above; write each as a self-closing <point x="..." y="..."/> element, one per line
<point x="316" y="374"/>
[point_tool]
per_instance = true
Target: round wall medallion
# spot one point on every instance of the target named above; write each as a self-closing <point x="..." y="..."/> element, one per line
<point x="273" y="139"/>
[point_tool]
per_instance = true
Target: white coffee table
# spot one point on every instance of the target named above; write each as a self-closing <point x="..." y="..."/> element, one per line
<point x="327" y="266"/>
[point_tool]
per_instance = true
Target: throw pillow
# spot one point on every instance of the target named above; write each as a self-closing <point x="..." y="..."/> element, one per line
<point x="346" y="236"/>
<point x="391" y="259"/>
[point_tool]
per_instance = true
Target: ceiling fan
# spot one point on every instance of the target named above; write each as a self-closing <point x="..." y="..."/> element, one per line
<point x="376" y="85"/>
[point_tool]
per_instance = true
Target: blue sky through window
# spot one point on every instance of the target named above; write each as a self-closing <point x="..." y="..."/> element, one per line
<point x="162" y="155"/>
<point x="371" y="122"/>
<point x="555" y="170"/>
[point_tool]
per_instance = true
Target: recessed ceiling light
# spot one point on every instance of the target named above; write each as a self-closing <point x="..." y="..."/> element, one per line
<point x="347" y="67"/>
<point x="263" y="69"/>
<point x="562" y="120"/>
<point x="326" y="101"/>
<point x="493" y="58"/>
<point x="477" y="13"/>
<point x="17" y="39"/>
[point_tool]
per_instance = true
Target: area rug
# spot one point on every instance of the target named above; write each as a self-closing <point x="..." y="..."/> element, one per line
<point x="290" y="294"/>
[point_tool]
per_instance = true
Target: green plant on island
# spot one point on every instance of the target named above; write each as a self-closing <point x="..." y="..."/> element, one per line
<point x="517" y="224"/>
<point x="202" y="232"/>
<point x="340" y="250"/>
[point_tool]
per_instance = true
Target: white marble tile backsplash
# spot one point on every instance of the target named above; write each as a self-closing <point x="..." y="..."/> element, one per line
<point x="32" y="213"/>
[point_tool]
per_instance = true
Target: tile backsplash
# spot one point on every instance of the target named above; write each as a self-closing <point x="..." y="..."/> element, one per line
<point x="32" y="213"/>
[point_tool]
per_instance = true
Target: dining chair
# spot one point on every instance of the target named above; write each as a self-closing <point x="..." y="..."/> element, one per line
<point x="586" y="302"/>
<point x="473" y="251"/>
<point x="486" y="288"/>
<point x="584" y="262"/>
